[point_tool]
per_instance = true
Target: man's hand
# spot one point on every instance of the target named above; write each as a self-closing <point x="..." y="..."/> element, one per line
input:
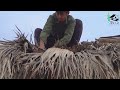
<point x="42" y="45"/>
<point x="58" y="44"/>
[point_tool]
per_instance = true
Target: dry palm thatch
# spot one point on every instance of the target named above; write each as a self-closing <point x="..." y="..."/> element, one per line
<point x="89" y="60"/>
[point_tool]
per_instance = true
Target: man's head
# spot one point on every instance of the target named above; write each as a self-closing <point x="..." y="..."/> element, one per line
<point x="62" y="15"/>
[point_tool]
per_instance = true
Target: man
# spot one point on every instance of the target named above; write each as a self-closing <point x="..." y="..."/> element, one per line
<point x="61" y="29"/>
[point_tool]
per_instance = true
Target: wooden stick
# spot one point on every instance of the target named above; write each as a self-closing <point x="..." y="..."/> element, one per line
<point x="109" y="40"/>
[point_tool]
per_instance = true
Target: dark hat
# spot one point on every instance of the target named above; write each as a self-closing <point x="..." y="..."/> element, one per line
<point x="60" y="12"/>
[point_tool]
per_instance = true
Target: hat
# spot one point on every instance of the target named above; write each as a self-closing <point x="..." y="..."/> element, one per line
<point x="60" y="12"/>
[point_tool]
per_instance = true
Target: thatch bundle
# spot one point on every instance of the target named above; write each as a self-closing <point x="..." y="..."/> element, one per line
<point x="89" y="60"/>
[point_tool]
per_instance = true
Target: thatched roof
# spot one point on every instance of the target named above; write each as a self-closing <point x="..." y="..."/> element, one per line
<point x="89" y="60"/>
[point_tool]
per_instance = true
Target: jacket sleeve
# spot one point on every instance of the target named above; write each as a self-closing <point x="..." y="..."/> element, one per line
<point x="47" y="29"/>
<point x="68" y="33"/>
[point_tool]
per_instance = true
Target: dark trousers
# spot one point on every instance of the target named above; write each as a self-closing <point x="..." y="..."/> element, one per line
<point x="50" y="42"/>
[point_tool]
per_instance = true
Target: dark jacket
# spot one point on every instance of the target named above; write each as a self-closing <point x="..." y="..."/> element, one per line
<point x="62" y="32"/>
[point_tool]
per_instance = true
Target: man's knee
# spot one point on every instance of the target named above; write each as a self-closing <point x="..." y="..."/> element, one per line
<point x="78" y="31"/>
<point x="79" y="24"/>
<point x="79" y="27"/>
<point x="37" y="30"/>
<point x="37" y="35"/>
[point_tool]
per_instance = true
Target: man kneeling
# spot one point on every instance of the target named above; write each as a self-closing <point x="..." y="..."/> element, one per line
<point x="61" y="29"/>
